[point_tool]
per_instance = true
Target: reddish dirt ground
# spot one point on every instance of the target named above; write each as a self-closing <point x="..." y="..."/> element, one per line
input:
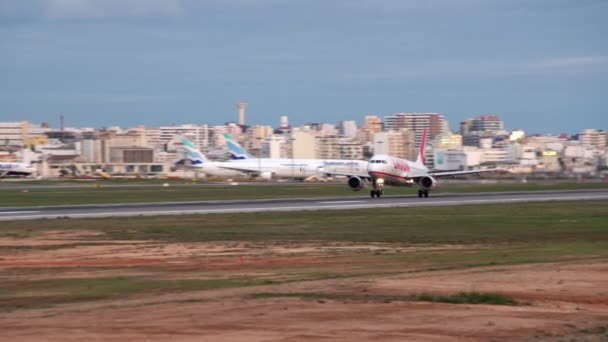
<point x="561" y="299"/>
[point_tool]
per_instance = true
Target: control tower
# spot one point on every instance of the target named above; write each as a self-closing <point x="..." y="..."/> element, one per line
<point x="241" y="106"/>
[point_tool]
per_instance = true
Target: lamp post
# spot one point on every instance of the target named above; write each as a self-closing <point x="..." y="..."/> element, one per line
<point x="259" y="155"/>
<point x="293" y="176"/>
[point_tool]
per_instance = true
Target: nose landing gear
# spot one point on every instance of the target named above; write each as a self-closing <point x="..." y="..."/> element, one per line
<point x="422" y="193"/>
<point x="376" y="193"/>
<point x="378" y="190"/>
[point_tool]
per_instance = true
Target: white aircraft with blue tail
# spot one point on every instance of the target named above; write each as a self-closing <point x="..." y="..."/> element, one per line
<point x="16" y="169"/>
<point x="210" y="168"/>
<point x="246" y="167"/>
<point x="289" y="168"/>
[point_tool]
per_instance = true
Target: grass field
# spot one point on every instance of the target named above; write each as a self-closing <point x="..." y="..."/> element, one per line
<point x="83" y="265"/>
<point x="188" y="192"/>
<point x="491" y="234"/>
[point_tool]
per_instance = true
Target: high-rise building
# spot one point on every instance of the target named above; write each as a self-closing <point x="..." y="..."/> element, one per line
<point x="153" y="139"/>
<point x="348" y="129"/>
<point x="488" y="123"/>
<point x="447" y="140"/>
<point x="216" y="136"/>
<point x="254" y="136"/>
<point x="303" y="144"/>
<point x="349" y="149"/>
<point x="22" y="133"/>
<point x="327" y="147"/>
<point x="594" y="137"/>
<point x="198" y="134"/>
<point x="399" y="144"/>
<point x="275" y="146"/>
<point x="327" y="129"/>
<point x="371" y="125"/>
<point x="434" y="123"/>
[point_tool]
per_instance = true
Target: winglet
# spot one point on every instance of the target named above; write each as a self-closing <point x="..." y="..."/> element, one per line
<point x="237" y="152"/>
<point x="421" y="160"/>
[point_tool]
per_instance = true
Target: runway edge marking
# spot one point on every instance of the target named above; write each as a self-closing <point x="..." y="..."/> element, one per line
<point x="310" y="208"/>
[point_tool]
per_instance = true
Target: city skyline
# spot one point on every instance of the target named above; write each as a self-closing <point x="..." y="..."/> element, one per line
<point x="106" y="63"/>
<point x="453" y="126"/>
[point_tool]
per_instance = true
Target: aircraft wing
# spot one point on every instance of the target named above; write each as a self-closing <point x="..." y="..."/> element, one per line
<point x="345" y="174"/>
<point x="460" y="173"/>
<point x="241" y="169"/>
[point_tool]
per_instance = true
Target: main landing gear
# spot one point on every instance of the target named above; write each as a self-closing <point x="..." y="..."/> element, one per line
<point x="376" y="193"/>
<point x="422" y="193"/>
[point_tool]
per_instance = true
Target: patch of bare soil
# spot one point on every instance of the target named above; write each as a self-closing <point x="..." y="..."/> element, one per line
<point x="561" y="299"/>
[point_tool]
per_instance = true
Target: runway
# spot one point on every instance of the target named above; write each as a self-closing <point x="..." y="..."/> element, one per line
<point x="295" y="204"/>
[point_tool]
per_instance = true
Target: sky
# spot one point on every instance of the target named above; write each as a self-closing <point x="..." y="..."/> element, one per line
<point x="540" y="65"/>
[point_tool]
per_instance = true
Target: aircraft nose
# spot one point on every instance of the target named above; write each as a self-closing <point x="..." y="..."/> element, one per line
<point x="373" y="166"/>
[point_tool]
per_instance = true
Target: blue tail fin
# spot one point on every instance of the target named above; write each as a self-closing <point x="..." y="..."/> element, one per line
<point x="237" y="152"/>
<point x="192" y="153"/>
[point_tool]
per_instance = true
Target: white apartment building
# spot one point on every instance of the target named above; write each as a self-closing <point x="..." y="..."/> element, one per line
<point x="153" y="139"/>
<point x="434" y="123"/>
<point x="275" y="146"/>
<point x="21" y="133"/>
<point x="527" y="154"/>
<point x="216" y="136"/>
<point x="505" y="155"/>
<point x="198" y="134"/>
<point x="254" y="136"/>
<point x="447" y="140"/>
<point x="372" y="124"/>
<point x="348" y="129"/>
<point x="486" y="123"/>
<point x="327" y="147"/>
<point x="303" y="144"/>
<point x="349" y="149"/>
<point x="398" y="144"/>
<point x="594" y="137"/>
<point x="328" y="129"/>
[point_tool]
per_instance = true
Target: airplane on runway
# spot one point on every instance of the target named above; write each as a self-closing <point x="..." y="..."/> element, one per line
<point x="265" y="169"/>
<point x="16" y="169"/>
<point x="286" y="167"/>
<point x="210" y="168"/>
<point x="386" y="170"/>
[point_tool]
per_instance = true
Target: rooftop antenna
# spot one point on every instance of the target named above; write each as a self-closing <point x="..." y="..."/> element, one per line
<point x="61" y="121"/>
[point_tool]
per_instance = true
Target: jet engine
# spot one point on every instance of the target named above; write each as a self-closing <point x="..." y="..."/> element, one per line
<point x="356" y="183"/>
<point x="427" y="182"/>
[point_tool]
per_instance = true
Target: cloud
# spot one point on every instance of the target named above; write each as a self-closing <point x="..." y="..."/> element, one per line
<point x="112" y="8"/>
<point x="74" y="9"/>
<point x="573" y="63"/>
